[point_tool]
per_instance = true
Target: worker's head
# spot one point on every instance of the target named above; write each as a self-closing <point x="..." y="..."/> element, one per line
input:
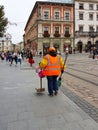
<point x="52" y="49"/>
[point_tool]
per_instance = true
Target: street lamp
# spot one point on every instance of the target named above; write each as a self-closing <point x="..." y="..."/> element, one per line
<point x="92" y="35"/>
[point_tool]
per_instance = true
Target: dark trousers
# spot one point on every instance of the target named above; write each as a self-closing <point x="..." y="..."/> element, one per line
<point x="14" y="59"/>
<point x="52" y="84"/>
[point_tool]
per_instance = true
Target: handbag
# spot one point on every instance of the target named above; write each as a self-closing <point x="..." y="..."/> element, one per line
<point x="40" y="74"/>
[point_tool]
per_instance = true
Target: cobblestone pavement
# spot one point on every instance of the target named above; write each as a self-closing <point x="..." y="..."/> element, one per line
<point x="91" y="110"/>
<point x="82" y="86"/>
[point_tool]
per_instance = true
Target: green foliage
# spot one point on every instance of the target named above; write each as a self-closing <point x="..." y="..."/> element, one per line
<point x="3" y="21"/>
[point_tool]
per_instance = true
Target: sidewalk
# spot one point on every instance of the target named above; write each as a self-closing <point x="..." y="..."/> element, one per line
<point x="22" y="108"/>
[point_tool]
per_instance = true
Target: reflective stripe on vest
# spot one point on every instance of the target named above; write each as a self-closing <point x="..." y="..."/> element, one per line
<point x="53" y="64"/>
<point x="52" y="68"/>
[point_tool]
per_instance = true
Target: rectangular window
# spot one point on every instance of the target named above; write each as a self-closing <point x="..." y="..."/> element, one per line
<point x="57" y="30"/>
<point x="90" y="16"/>
<point x="39" y="11"/>
<point x="97" y="17"/>
<point x="81" y="16"/>
<point x="91" y="28"/>
<point x="80" y="28"/>
<point x="81" y="6"/>
<point x="46" y="15"/>
<point x="96" y="7"/>
<point x="91" y="6"/>
<point x="46" y="32"/>
<point x="46" y="29"/>
<point x="56" y="15"/>
<point x="67" y="29"/>
<point x="97" y="29"/>
<point x="67" y="16"/>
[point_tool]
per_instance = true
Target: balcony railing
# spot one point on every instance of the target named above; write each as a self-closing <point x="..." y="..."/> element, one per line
<point x="57" y="35"/>
<point x="82" y="34"/>
<point x="67" y="34"/>
<point x="46" y="34"/>
<point x="53" y="19"/>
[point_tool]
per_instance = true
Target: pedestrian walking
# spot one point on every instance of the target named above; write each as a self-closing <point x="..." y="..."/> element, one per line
<point x="19" y="56"/>
<point x="40" y="54"/>
<point x="74" y="50"/>
<point x="14" y="58"/>
<point x="52" y="65"/>
<point x="30" y="58"/>
<point x="2" y="55"/>
<point x="94" y="52"/>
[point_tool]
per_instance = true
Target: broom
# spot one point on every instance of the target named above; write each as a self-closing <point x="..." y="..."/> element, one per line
<point x="60" y="78"/>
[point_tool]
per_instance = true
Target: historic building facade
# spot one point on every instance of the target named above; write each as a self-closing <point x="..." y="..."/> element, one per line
<point x="86" y="23"/>
<point x="50" y="24"/>
<point x="5" y="43"/>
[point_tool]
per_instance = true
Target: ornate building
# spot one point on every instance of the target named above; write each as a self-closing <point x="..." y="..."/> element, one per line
<point x="86" y="23"/>
<point x="5" y="43"/>
<point x="50" y="24"/>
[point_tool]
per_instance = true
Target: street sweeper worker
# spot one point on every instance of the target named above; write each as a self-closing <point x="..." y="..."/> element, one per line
<point x="52" y="65"/>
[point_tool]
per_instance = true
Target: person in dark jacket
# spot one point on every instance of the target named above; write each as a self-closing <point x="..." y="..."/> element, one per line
<point x="94" y="52"/>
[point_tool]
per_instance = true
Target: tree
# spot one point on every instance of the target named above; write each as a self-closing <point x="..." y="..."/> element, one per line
<point x="3" y="21"/>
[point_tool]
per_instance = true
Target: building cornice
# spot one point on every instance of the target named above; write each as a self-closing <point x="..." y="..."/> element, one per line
<point x="87" y="1"/>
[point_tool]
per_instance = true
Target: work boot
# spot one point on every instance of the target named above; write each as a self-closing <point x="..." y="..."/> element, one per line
<point x="50" y="94"/>
<point x="56" y="92"/>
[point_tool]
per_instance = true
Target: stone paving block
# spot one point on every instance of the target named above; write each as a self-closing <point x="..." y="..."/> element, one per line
<point x="3" y="126"/>
<point x="72" y="117"/>
<point x="18" y="125"/>
<point x="73" y="126"/>
<point x="89" y="124"/>
<point x="8" y="118"/>
<point x="55" y="121"/>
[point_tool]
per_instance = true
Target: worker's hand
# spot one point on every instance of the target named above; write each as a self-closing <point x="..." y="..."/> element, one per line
<point x="62" y="71"/>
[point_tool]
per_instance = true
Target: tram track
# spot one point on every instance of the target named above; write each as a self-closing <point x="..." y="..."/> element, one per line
<point x="82" y="88"/>
<point x="82" y="78"/>
<point x="82" y="71"/>
<point x="83" y="75"/>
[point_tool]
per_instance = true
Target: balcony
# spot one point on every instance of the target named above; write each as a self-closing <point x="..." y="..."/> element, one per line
<point x="56" y="34"/>
<point x="46" y="34"/>
<point x="81" y="34"/>
<point x="67" y="34"/>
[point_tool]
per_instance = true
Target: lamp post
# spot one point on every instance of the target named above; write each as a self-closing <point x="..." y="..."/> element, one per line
<point x="74" y="24"/>
<point x="92" y="35"/>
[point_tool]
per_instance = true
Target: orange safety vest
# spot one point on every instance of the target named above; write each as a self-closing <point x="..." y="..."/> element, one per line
<point x="53" y="67"/>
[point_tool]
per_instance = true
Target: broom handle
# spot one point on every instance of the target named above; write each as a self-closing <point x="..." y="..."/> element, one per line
<point x="65" y="60"/>
<point x="64" y="63"/>
<point x="40" y="82"/>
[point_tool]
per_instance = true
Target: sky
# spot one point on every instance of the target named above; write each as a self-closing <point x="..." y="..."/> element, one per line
<point x="18" y="12"/>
